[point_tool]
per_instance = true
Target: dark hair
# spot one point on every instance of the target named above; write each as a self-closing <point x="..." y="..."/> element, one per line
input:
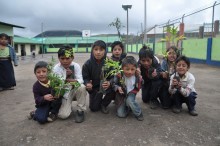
<point x="175" y="49"/>
<point x="146" y="52"/>
<point x="185" y="59"/>
<point x="4" y="35"/>
<point x="63" y="49"/>
<point x="129" y="60"/>
<point x="40" y="64"/>
<point x="117" y="43"/>
<point x="99" y="43"/>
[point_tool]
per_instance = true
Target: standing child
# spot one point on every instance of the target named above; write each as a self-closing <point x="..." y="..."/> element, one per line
<point x="7" y="55"/>
<point x="168" y="68"/>
<point x="91" y="71"/>
<point x="182" y="87"/>
<point x="71" y="72"/>
<point x="126" y="87"/>
<point x="47" y="106"/>
<point x="150" y="70"/>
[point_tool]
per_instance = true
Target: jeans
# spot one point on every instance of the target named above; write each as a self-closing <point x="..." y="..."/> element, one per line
<point x="42" y="112"/>
<point x="179" y="99"/>
<point x="129" y="103"/>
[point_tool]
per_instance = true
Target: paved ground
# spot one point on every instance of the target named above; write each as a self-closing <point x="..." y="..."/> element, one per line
<point x="160" y="127"/>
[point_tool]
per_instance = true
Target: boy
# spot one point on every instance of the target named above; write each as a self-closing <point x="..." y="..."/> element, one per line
<point x="47" y="106"/>
<point x="182" y="87"/>
<point x="71" y="72"/>
<point x="7" y="55"/>
<point x="150" y="71"/>
<point x="91" y="71"/>
<point x="126" y="87"/>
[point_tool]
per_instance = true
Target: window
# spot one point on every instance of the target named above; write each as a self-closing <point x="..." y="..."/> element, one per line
<point x="33" y="48"/>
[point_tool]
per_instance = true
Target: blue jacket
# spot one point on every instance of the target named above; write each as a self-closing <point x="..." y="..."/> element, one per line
<point x="13" y="55"/>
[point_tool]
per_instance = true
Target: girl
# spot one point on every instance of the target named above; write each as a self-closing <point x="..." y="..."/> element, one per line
<point x="168" y="68"/>
<point x="7" y="54"/>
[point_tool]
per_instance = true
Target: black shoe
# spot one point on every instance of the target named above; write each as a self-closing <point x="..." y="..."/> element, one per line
<point x="79" y="117"/>
<point x="193" y="113"/>
<point x="176" y="110"/>
<point x="140" y="117"/>
<point x="52" y="117"/>
<point x="154" y="104"/>
<point x="31" y="115"/>
<point x="104" y="109"/>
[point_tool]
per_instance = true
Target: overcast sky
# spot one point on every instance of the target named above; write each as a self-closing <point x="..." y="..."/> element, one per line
<point x="95" y="15"/>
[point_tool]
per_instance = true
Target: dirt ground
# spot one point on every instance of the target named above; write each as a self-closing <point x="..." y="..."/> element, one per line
<point x="160" y="127"/>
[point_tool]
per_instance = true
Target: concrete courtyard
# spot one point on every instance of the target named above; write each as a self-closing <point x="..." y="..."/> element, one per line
<point x="159" y="128"/>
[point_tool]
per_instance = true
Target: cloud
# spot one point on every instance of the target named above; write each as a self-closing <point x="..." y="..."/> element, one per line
<point x="96" y="14"/>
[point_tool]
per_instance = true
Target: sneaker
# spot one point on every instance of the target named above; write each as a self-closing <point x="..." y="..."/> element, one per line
<point x="104" y="109"/>
<point x="154" y="105"/>
<point x="79" y="117"/>
<point x="176" y="110"/>
<point x="140" y="117"/>
<point x="193" y="113"/>
<point x="31" y="115"/>
<point x="52" y="117"/>
<point x="10" y="88"/>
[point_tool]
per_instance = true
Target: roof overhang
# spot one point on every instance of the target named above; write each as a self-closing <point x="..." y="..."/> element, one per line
<point x="12" y="25"/>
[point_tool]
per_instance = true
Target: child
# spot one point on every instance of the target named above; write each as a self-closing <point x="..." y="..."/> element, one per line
<point x="91" y="71"/>
<point x="47" y="106"/>
<point x="7" y="55"/>
<point x="168" y="68"/>
<point x="150" y="71"/>
<point x="71" y="72"/>
<point x="182" y="87"/>
<point x="117" y="51"/>
<point x="127" y="85"/>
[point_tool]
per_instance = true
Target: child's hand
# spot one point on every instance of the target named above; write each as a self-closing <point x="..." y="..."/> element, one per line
<point x="89" y="85"/>
<point x="138" y="71"/>
<point x="120" y="90"/>
<point x="48" y="97"/>
<point x="105" y="85"/>
<point x="179" y="85"/>
<point x="164" y="75"/>
<point x="71" y="80"/>
<point x="174" y="83"/>
<point x="154" y="74"/>
<point x="68" y="71"/>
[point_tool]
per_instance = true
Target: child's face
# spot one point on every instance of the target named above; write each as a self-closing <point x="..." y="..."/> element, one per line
<point x="117" y="51"/>
<point x="129" y="70"/>
<point x="98" y="52"/>
<point x="41" y="74"/>
<point x="171" y="55"/>
<point x="182" y="67"/>
<point x="65" y="61"/>
<point x="146" y="62"/>
<point x="3" y="41"/>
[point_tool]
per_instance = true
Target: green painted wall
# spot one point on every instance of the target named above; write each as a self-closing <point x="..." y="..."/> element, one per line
<point x="195" y="48"/>
<point x="215" y="49"/>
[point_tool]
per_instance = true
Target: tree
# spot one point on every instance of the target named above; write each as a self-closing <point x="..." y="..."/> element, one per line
<point x="118" y="25"/>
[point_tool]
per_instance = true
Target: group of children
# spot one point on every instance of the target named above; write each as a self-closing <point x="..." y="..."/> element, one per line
<point x="168" y="84"/>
